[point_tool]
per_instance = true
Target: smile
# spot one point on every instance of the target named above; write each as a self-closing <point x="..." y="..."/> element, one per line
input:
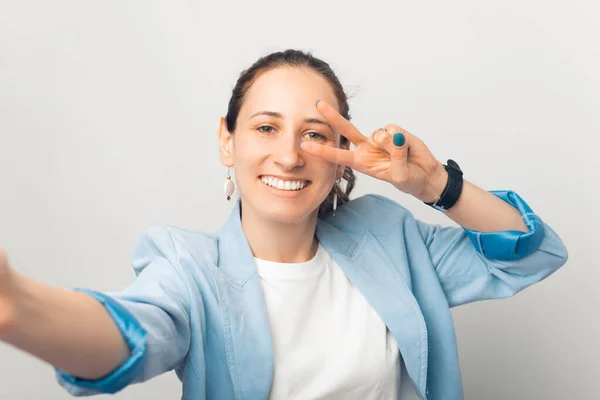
<point x="281" y="184"/>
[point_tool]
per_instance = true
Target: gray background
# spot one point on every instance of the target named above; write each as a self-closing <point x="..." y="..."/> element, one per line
<point x="109" y="113"/>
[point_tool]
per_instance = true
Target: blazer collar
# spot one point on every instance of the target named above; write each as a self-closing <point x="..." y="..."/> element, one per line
<point x="235" y="255"/>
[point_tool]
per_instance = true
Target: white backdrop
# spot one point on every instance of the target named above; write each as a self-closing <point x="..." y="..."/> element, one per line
<point x="108" y="119"/>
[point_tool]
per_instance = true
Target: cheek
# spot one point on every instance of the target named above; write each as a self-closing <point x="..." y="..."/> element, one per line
<point x="324" y="167"/>
<point x="248" y="151"/>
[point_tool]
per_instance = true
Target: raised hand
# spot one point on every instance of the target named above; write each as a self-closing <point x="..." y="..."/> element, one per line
<point x="391" y="154"/>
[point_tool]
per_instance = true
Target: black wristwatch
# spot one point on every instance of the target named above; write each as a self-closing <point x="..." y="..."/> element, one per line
<point x="453" y="188"/>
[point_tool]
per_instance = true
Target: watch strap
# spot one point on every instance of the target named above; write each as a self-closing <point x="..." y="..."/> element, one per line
<point x="452" y="190"/>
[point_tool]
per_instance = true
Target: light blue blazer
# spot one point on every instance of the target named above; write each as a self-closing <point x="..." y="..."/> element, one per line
<point x="197" y="306"/>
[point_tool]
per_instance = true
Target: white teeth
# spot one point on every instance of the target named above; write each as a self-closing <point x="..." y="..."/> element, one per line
<point x="283" y="185"/>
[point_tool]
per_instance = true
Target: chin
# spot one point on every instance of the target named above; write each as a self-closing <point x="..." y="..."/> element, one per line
<point x="288" y="214"/>
<point x="283" y="207"/>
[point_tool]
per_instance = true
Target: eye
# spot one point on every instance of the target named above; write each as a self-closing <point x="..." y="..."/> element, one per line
<point x="316" y="136"/>
<point x="266" y="129"/>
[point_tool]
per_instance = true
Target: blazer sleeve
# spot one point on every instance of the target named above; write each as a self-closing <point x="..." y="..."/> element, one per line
<point x="474" y="266"/>
<point x="152" y="315"/>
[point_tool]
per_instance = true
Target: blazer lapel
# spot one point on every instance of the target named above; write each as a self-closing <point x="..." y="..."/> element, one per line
<point x="247" y="333"/>
<point x="369" y="268"/>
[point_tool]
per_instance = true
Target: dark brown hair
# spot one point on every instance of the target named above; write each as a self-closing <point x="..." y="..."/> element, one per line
<point x="298" y="59"/>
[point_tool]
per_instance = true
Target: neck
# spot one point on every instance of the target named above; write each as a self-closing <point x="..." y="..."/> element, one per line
<point x="280" y="242"/>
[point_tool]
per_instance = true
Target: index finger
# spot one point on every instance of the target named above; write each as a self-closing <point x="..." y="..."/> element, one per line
<point x="331" y="154"/>
<point x="339" y="123"/>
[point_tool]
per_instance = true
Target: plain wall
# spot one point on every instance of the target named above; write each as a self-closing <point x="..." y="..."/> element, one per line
<point x="109" y="114"/>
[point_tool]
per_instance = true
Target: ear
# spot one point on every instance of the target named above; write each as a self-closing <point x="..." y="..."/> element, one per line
<point x="225" y="144"/>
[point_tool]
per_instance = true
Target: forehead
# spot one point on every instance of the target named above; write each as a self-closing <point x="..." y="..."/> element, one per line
<point x="290" y="90"/>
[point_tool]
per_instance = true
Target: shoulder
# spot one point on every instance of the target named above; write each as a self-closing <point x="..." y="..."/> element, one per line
<point x="376" y="208"/>
<point x="375" y="213"/>
<point x="373" y="204"/>
<point x="174" y="243"/>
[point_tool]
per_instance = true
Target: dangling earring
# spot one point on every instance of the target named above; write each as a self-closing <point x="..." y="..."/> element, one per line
<point x="229" y="186"/>
<point x="336" y="187"/>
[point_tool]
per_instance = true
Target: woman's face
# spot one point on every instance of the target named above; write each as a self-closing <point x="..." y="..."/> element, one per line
<point x="276" y="179"/>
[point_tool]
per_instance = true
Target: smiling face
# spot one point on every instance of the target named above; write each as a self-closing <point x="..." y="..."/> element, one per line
<point x="276" y="179"/>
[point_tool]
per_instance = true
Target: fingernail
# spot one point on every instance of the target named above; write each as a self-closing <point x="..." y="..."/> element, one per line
<point x="317" y="103"/>
<point x="398" y="139"/>
<point x="300" y="144"/>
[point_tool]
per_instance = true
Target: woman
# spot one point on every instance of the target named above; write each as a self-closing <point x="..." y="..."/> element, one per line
<point x="303" y="293"/>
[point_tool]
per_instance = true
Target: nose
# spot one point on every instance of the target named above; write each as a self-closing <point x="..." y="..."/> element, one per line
<point x="288" y="155"/>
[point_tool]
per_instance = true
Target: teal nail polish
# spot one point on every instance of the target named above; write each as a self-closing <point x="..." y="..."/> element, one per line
<point x="398" y="139"/>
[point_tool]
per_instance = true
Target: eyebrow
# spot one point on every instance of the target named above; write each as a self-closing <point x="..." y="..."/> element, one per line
<point x="278" y="115"/>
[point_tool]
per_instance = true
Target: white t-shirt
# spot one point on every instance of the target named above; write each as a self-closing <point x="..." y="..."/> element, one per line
<point x="328" y="342"/>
